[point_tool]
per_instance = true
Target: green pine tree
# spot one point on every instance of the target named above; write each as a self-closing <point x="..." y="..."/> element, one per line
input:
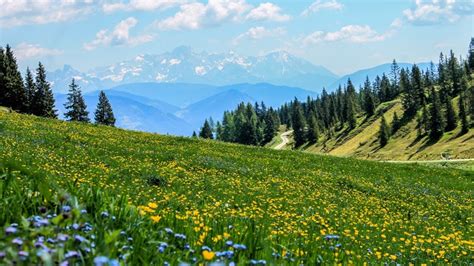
<point x="103" y="113"/>
<point x="3" y="89"/>
<point x="15" y="95"/>
<point x="451" y="119"/>
<point x="270" y="128"/>
<point x="30" y="88"/>
<point x="76" y="109"/>
<point x="206" y="131"/>
<point x="396" y="123"/>
<point x="384" y="132"/>
<point x="298" y="123"/>
<point x="463" y="114"/>
<point x="313" y="129"/>
<point x="194" y="135"/>
<point x="43" y="100"/>
<point x="436" y="117"/>
<point x="369" y="103"/>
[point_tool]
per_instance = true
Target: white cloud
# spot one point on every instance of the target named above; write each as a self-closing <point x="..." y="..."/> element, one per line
<point x="396" y="23"/>
<point x="438" y="11"/>
<point x="196" y="15"/>
<point x="267" y="11"/>
<point x="321" y="5"/>
<point x="15" y="13"/>
<point x="25" y="51"/>
<point x="119" y="36"/>
<point x="256" y="33"/>
<point x="142" y="5"/>
<point x="349" y="33"/>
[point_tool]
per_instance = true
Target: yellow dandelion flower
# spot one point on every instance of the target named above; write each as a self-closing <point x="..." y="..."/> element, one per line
<point x="208" y="255"/>
<point x="155" y="218"/>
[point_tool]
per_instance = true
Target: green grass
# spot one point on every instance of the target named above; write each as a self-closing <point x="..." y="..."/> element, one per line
<point x="362" y="142"/>
<point x="286" y="207"/>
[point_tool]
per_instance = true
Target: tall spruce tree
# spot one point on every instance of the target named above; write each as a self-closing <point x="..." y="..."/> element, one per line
<point x="15" y="95"/>
<point x="451" y="119"/>
<point x="396" y="123"/>
<point x="463" y="114"/>
<point x="436" y="116"/>
<point x="350" y="105"/>
<point x="30" y="89"/>
<point x="313" y="129"/>
<point x="298" y="123"/>
<point x="76" y="109"/>
<point x="43" y="100"/>
<point x="470" y="57"/>
<point x="103" y="113"/>
<point x="369" y="103"/>
<point x="3" y="89"/>
<point x="206" y="131"/>
<point x="270" y="127"/>
<point x="384" y="132"/>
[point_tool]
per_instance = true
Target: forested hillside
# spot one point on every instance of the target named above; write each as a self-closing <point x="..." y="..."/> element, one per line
<point x="405" y="114"/>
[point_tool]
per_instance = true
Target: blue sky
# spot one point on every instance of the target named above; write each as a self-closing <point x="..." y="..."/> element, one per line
<point x="343" y="36"/>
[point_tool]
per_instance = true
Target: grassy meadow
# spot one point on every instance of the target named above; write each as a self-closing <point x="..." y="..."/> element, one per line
<point x="86" y="194"/>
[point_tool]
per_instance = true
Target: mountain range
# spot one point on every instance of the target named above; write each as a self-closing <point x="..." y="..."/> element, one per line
<point x="183" y="65"/>
<point x="175" y="92"/>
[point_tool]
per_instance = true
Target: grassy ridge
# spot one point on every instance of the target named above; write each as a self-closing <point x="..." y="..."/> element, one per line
<point x="405" y="144"/>
<point x="283" y="206"/>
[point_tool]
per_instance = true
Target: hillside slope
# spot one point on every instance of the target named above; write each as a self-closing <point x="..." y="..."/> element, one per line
<point x="362" y="142"/>
<point x="233" y="203"/>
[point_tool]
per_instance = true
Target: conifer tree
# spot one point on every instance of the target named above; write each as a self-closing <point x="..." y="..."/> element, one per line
<point x="270" y="127"/>
<point x="103" y="113"/>
<point x="228" y="131"/>
<point x="30" y="89"/>
<point x="298" y="123"/>
<point x="451" y="119"/>
<point x="76" y="109"/>
<point x="396" y="123"/>
<point x="43" y="100"/>
<point x="15" y="95"/>
<point x="436" y="117"/>
<point x="3" y="89"/>
<point x="470" y="57"/>
<point x="194" y="134"/>
<point x="313" y="129"/>
<point x="218" y="130"/>
<point x="395" y="78"/>
<point x="463" y="114"/>
<point x="206" y="131"/>
<point x="369" y="103"/>
<point x="350" y="105"/>
<point x="384" y="132"/>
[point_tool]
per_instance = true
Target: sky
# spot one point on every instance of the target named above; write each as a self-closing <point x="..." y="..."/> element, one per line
<point x="343" y="36"/>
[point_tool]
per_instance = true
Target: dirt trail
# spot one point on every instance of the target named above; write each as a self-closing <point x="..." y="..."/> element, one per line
<point x="284" y="139"/>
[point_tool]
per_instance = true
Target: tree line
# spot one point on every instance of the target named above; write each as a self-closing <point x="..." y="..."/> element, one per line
<point x="248" y="124"/>
<point x="426" y="95"/>
<point x="33" y="95"/>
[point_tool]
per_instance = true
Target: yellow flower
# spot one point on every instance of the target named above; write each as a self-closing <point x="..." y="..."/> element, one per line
<point x="208" y="255"/>
<point x="393" y="257"/>
<point x="152" y="205"/>
<point x="155" y="218"/>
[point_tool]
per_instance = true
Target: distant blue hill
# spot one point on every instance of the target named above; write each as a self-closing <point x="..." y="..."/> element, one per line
<point x="213" y="106"/>
<point x="131" y="114"/>
<point x="177" y="94"/>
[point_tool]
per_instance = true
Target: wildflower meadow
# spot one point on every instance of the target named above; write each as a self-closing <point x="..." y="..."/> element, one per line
<point x="84" y="194"/>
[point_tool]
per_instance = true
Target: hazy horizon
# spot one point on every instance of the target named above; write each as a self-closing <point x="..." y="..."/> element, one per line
<point x="342" y="36"/>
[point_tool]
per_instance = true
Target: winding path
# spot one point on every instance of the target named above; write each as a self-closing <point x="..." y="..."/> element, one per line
<point x="284" y="140"/>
